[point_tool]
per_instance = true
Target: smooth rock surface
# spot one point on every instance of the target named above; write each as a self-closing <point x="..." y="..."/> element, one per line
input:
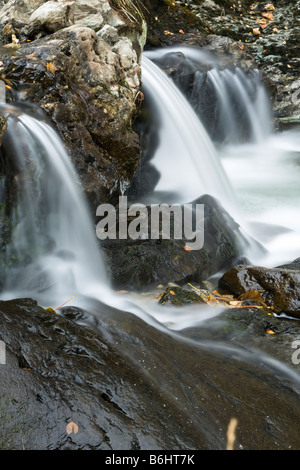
<point x="279" y="287"/>
<point x="130" y="386"/>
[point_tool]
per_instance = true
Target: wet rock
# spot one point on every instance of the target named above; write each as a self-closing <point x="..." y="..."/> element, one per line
<point x="179" y="296"/>
<point x="272" y="42"/>
<point x="3" y="126"/>
<point x="143" y="263"/>
<point x="254" y="329"/>
<point x="85" y="80"/>
<point x="128" y="386"/>
<point x="279" y="287"/>
<point x="170" y="23"/>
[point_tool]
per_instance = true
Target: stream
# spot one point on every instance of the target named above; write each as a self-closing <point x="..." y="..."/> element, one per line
<point x="256" y="179"/>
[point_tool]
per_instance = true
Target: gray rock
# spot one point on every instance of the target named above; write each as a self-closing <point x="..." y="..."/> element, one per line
<point x="85" y="82"/>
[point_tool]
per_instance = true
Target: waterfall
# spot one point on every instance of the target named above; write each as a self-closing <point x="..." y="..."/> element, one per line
<point x="232" y="103"/>
<point x="52" y="249"/>
<point x="49" y="245"/>
<point x="185" y="158"/>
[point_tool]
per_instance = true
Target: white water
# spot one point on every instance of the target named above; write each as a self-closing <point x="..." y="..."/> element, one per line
<point x="63" y="256"/>
<point x="263" y="172"/>
<point x="53" y="245"/>
<point x="264" y="175"/>
<point x="186" y="158"/>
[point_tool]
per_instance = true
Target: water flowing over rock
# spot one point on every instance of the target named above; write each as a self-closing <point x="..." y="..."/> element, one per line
<point x="269" y="36"/>
<point x="127" y="385"/>
<point x="141" y="264"/>
<point x="80" y="61"/>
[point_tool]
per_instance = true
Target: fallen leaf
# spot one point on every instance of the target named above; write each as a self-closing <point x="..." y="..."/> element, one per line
<point x="251" y="294"/>
<point x="270" y="332"/>
<point x="51" y="67"/>
<point x="72" y="427"/>
<point x="188" y="248"/>
<point x="256" y="31"/>
<point x="166" y="32"/>
<point x="262" y="21"/>
<point x="181" y="32"/>
<point x="172" y="292"/>
<point x="270" y="7"/>
<point x="268" y="14"/>
<point x="50" y="310"/>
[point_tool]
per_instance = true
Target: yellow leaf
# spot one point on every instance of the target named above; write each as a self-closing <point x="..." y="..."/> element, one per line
<point x="51" y="67"/>
<point x="172" y="292"/>
<point x="181" y="31"/>
<point x="270" y="332"/>
<point x="50" y="310"/>
<point x="72" y="427"/>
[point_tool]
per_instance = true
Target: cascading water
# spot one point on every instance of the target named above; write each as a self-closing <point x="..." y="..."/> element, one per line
<point x="52" y="252"/>
<point x="262" y="168"/>
<point x="185" y="158"/>
<point x="232" y="103"/>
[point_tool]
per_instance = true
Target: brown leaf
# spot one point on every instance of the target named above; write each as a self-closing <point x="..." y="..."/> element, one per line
<point x="251" y="294"/>
<point x="268" y="14"/>
<point x="72" y="427"/>
<point x="256" y="31"/>
<point x="50" y="310"/>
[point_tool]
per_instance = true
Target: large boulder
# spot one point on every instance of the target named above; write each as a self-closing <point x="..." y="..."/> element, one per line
<point x="80" y="61"/>
<point x="145" y="263"/>
<point x="130" y="386"/>
<point x="279" y="287"/>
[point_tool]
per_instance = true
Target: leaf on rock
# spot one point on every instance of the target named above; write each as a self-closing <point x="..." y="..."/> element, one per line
<point x="251" y="294"/>
<point x="270" y="332"/>
<point x="270" y="7"/>
<point x="51" y="67"/>
<point x="72" y="427"/>
<point x="188" y="248"/>
<point x="50" y="310"/>
<point x="268" y="14"/>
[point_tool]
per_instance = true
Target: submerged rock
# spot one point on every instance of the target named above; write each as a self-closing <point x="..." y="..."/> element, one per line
<point x="279" y="287"/>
